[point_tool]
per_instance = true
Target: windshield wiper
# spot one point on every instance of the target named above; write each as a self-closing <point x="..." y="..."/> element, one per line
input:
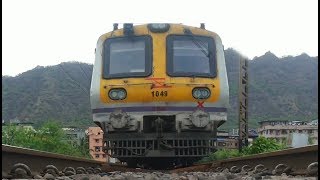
<point x="196" y="42"/>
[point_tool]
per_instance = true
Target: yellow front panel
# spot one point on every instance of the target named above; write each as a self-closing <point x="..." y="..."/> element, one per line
<point x="144" y="89"/>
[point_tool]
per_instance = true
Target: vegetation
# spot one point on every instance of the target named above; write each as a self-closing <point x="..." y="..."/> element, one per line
<point x="259" y="145"/>
<point x="310" y="140"/>
<point x="279" y="89"/>
<point x="58" y="92"/>
<point x="50" y="138"/>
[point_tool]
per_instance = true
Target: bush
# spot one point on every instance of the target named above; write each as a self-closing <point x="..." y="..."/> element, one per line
<point x="259" y="145"/>
<point x="50" y="138"/>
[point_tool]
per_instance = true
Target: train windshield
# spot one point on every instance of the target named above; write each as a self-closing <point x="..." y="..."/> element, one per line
<point x="127" y="57"/>
<point x="190" y="56"/>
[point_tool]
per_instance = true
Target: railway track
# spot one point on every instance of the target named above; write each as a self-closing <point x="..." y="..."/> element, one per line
<point x="294" y="161"/>
<point x="27" y="164"/>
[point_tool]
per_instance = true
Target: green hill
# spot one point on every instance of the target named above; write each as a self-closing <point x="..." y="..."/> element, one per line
<point x="279" y="88"/>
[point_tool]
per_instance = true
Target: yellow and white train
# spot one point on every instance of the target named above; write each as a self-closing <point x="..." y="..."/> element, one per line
<point x="159" y="92"/>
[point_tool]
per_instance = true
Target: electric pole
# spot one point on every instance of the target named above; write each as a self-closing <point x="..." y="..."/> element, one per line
<point x="243" y="103"/>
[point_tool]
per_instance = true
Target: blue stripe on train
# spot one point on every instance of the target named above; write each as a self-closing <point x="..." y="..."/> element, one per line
<point x="158" y="108"/>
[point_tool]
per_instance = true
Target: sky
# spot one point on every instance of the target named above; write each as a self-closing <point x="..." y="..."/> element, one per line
<point x="48" y="32"/>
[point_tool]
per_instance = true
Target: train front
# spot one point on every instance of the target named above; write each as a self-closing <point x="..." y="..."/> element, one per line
<point x="159" y="92"/>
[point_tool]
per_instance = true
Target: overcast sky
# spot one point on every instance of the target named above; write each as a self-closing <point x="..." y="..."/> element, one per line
<point x="48" y="32"/>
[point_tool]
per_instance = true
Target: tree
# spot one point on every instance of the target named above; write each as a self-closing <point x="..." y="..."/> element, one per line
<point x="49" y="137"/>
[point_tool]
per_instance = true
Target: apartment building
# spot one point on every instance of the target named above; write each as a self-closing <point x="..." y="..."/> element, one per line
<point x="230" y="140"/>
<point x="281" y="130"/>
<point x="18" y="123"/>
<point x="74" y="134"/>
<point x="95" y="136"/>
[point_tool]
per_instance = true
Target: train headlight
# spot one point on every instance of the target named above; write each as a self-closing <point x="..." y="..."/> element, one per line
<point x="205" y="93"/>
<point x="197" y="93"/>
<point x="121" y="94"/>
<point x="117" y="94"/>
<point x="158" y="27"/>
<point x="201" y="93"/>
<point x="113" y="94"/>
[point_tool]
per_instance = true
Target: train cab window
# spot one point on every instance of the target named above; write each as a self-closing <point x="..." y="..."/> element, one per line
<point x="127" y="57"/>
<point x="189" y="55"/>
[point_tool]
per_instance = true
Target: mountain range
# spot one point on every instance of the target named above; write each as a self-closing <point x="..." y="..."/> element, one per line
<point x="283" y="88"/>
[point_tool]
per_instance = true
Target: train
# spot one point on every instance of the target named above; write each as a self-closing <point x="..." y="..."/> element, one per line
<point x="159" y="91"/>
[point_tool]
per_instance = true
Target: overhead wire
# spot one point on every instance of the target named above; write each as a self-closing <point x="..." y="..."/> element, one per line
<point x="85" y="74"/>
<point x="73" y="80"/>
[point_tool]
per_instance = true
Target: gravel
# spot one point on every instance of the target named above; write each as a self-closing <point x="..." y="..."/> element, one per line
<point x="157" y="175"/>
<point x="166" y="175"/>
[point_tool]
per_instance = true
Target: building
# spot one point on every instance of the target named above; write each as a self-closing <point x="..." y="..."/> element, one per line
<point x="26" y="125"/>
<point x="230" y="140"/>
<point x="18" y="123"/>
<point x="227" y="143"/>
<point x="74" y="134"/>
<point x="95" y="136"/>
<point x="314" y="122"/>
<point x="281" y="130"/>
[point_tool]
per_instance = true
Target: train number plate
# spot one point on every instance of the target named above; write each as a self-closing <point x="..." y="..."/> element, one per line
<point x="159" y="93"/>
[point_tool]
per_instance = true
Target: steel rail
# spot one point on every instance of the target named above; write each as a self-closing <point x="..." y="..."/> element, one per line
<point x="297" y="159"/>
<point x="38" y="160"/>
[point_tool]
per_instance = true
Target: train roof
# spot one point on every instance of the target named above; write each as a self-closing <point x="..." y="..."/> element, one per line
<point x="201" y="27"/>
